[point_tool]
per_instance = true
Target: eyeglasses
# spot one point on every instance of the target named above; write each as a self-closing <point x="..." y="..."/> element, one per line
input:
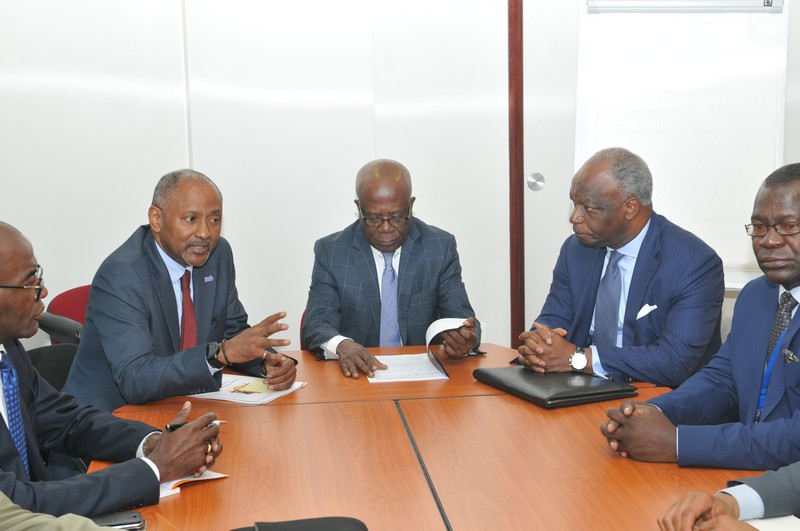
<point x="759" y="230"/>
<point x="377" y="221"/>
<point x="38" y="284"/>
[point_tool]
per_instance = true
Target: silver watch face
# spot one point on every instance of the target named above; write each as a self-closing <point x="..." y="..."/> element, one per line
<point x="578" y="361"/>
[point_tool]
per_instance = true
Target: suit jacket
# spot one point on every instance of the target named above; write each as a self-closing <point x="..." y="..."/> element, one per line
<point x="675" y="271"/>
<point x="53" y="421"/>
<point x="344" y="298"/>
<point x="715" y="409"/>
<point x="779" y="490"/>
<point x="129" y="351"/>
<point x="15" y="518"/>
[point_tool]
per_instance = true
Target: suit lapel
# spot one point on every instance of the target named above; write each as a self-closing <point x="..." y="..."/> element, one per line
<point x="164" y="291"/>
<point x="409" y="261"/>
<point x="364" y="263"/>
<point x="647" y="263"/>
<point x="777" y="382"/>
<point x="204" y="280"/>
<point x="588" y="294"/>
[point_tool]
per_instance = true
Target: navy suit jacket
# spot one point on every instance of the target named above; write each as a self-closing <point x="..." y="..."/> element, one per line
<point x="675" y="271"/>
<point x="344" y="298"/>
<point x="715" y="409"/>
<point x="53" y="421"/>
<point x="129" y="351"/>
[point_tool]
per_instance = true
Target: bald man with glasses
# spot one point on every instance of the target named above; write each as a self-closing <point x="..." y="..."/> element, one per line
<point x="384" y="279"/>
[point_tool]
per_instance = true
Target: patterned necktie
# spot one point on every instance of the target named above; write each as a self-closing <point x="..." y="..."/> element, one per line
<point x="390" y="325"/>
<point x="11" y="394"/>
<point x="782" y="319"/>
<point x="188" y="321"/>
<point x="606" y="312"/>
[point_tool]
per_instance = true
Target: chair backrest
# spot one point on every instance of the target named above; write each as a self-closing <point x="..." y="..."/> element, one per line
<point x="71" y="303"/>
<point x="53" y="362"/>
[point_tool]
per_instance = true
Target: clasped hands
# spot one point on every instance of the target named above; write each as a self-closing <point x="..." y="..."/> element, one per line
<point x="253" y="342"/>
<point x="354" y="358"/>
<point x="640" y="431"/>
<point x="191" y="449"/>
<point x="701" y="511"/>
<point x="544" y="349"/>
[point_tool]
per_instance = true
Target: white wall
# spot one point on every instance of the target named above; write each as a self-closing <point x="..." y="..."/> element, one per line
<point x="280" y="103"/>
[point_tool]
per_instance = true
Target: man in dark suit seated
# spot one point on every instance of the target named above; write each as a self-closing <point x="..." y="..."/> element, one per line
<point x="634" y="297"/>
<point x="742" y="410"/>
<point x="164" y="316"/>
<point x="37" y="419"/>
<point x="356" y="299"/>
<point x="769" y="495"/>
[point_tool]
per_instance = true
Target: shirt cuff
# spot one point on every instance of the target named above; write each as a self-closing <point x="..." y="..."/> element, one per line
<point x="140" y="455"/>
<point x="597" y="367"/>
<point x="750" y="503"/>
<point x="330" y="346"/>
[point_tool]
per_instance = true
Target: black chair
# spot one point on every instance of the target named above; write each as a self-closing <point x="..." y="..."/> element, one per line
<point x="53" y="362"/>
<point x="61" y="329"/>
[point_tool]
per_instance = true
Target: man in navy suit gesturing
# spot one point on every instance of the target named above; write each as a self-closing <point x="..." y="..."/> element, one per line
<point x="634" y="297"/>
<point x="164" y="315"/>
<point x="384" y="279"/>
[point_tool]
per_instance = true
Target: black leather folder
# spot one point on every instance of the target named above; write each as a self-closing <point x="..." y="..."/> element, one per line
<point x="553" y="389"/>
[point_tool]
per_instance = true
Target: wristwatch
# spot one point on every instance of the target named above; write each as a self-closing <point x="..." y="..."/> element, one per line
<point x="212" y="356"/>
<point x="578" y="360"/>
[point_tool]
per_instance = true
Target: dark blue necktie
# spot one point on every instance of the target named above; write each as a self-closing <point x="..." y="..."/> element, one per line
<point x="606" y="309"/>
<point x="390" y="325"/>
<point x="11" y="394"/>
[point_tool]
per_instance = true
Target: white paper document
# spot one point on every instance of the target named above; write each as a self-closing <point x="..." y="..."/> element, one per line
<point x="174" y="487"/>
<point x="416" y="367"/>
<point x="407" y="368"/>
<point x="246" y="390"/>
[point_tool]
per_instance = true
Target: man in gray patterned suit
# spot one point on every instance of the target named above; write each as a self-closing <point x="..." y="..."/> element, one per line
<point x="766" y="496"/>
<point x="356" y="299"/>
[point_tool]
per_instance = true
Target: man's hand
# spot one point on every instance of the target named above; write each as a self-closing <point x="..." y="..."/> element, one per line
<point x="354" y="358"/>
<point x="280" y="370"/>
<point x="725" y="523"/>
<point x="252" y="342"/>
<point x="694" y="508"/>
<point x="545" y="349"/>
<point x="191" y="449"/>
<point x="640" y="431"/>
<point x="457" y="343"/>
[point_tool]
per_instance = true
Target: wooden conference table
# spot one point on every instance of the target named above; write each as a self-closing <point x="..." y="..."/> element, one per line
<point x="453" y="454"/>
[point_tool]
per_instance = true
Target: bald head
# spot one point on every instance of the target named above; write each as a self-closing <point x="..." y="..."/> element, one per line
<point x="385" y="175"/>
<point x="385" y="204"/>
<point x="20" y="309"/>
<point x="11" y="242"/>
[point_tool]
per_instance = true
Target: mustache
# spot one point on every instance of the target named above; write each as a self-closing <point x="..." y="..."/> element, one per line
<point x="199" y="242"/>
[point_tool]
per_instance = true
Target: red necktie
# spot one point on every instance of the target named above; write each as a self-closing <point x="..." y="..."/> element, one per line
<point x="188" y="322"/>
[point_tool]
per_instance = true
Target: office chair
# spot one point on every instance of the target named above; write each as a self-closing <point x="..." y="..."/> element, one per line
<point x="53" y="362"/>
<point x="65" y="315"/>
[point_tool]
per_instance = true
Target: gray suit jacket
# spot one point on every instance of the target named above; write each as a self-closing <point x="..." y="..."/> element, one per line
<point x="129" y="349"/>
<point x="344" y="298"/>
<point x="54" y="422"/>
<point x="779" y="490"/>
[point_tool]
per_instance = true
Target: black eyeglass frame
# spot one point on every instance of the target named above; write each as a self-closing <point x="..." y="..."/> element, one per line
<point x="38" y="278"/>
<point x="784" y="229"/>
<point x="377" y="221"/>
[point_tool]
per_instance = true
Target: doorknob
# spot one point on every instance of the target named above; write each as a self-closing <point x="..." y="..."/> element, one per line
<point x="535" y="181"/>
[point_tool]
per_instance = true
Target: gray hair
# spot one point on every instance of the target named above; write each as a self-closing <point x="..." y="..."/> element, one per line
<point x="630" y="171"/>
<point x="169" y="183"/>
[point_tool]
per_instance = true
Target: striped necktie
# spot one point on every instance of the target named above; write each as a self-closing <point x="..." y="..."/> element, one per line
<point x="606" y="310"/>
